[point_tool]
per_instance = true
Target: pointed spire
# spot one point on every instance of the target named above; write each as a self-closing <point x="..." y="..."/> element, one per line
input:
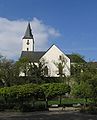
<point x="28" y="33"/>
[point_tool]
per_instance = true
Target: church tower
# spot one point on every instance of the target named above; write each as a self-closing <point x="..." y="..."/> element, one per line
<point x="28" y="40"/>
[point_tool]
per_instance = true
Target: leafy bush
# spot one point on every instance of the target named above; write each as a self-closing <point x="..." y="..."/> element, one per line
<point x="40" y="106"/>
<point x="92" y="110"/>
<point x="16" y="96"/>
<point x="26" y="107"/>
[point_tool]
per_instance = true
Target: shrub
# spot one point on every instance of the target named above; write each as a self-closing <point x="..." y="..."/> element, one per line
<point x="40" y="106"/>
<point x="26" y="107"/>
<point x="92" y="109"/>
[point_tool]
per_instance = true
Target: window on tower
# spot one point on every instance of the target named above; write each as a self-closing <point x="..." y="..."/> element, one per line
<point x="28" y="42"/>
<point x="27" y="49"/>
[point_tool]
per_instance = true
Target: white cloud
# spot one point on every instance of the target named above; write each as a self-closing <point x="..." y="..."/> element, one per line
<point x="11" y="33"/>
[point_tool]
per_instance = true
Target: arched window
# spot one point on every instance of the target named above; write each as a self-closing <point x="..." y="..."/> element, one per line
<point x="46" y="70"/>
<point x="60" y="57"/>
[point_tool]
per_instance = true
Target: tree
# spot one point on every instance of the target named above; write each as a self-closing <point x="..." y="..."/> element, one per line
<point x="61" y="65"/>
<point x="6" y="71"/>
<point x="93" y="83"/>
<point x="23" y="65"/>
<point x="82" y="90"/>
<point x="34" y="72"/>
<point x="85" y="82"/>
<point x="43" y="67"/>
<point x="78" y="65"/>
<point x="46" y="91"/>
<point x="51" y="90"/>
<point x="62" y="89"/>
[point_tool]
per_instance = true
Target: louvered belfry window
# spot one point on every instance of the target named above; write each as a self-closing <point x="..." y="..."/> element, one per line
<point x="28" y="42"/>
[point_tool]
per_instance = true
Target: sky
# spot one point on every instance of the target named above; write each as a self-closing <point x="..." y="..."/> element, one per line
<point x="69" y="24"/>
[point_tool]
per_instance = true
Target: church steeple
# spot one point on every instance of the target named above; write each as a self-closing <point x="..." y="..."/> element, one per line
<point x="28" y="40"/>
<point x="28" y="33"/>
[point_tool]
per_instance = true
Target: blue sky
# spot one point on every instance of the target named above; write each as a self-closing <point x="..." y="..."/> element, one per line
<point x="74" y="23"/>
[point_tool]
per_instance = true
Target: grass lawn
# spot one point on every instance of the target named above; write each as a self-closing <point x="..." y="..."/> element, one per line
<point x="69" y="101"/>
<point x="65" y="101"/>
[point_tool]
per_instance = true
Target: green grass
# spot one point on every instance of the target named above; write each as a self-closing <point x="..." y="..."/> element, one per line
<point x="69" y="101"/>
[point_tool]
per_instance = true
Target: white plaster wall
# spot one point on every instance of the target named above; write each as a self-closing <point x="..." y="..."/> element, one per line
<point x="21" y="74"/>
<point x="25" y="46"/>
<point x="51" y="57"/>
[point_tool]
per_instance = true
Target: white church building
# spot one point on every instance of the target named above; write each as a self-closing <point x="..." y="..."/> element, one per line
<point x="52" y="57"/>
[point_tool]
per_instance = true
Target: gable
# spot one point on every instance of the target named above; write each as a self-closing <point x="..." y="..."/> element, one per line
<point x="53" y="57"/>
<point x="54" y="52"/>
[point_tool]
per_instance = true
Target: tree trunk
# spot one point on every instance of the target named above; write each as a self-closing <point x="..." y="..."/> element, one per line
<point x="46" y="100"/>
<point x="86" y="100"/>
<point x="60" y="98"/>
<point x="5" y="99"/>
<point x="33" y="101"/>
<point x="85" y="103"/>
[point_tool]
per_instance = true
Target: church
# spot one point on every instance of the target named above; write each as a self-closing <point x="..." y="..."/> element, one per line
<point x="52" y="58"/>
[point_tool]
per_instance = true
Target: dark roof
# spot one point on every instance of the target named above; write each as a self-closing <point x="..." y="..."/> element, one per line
<point x="74" y="58"/>
<point x="93" y="64"/>
<point x="33" y="56"/>
<point x="28" y="33"/>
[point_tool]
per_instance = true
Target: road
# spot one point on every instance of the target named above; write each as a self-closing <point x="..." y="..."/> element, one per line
<point x="46" y="116"/>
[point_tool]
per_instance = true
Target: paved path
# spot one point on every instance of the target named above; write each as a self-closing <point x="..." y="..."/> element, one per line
<point x="46" y="116"/>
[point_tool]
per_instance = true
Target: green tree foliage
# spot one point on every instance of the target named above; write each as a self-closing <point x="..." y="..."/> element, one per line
<point x="36" y="73"/>
<point x="33" y="72"/>
<point x="78" y="64"/>
<point x="54" y="89"/>
<point x="19" y="93"/>
<point x="77" y="58"/>
<point x="85" y="85"/>
<point x="93" y="83"/>
<point x="6" y="71"/>
<point x="32" y="92"/>
<point x="82" y="90"/>
<point x="23" y="65"/>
